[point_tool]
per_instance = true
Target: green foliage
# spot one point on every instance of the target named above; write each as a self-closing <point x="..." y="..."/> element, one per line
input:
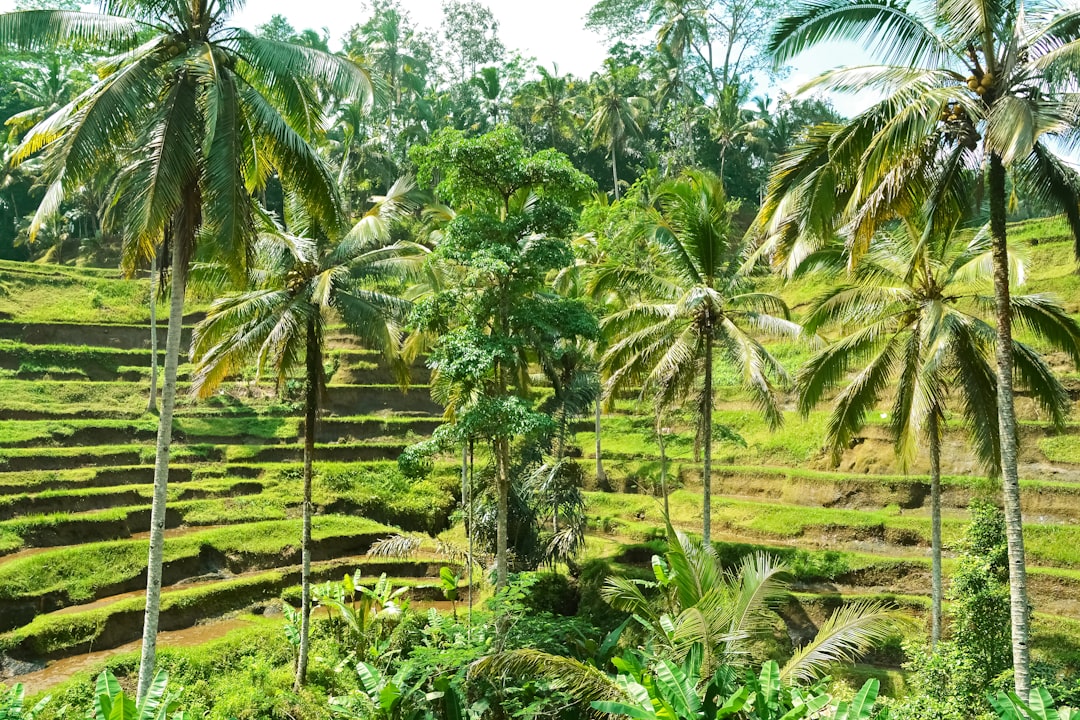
<point x="1039" y="706"/>
<point x="12" y="706"/>
<point x="951" y="681"/>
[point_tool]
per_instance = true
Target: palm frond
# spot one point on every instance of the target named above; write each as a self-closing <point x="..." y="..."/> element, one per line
<point x="847" y="633"/>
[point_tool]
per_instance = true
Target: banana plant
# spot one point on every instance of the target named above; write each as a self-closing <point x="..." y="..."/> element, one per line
<point x="359" y="606"/>
<point x="1040" y="706"/>
<point x="12" y="704"/>
<point x="112" y="703"/>
<point x="448" y="581"/>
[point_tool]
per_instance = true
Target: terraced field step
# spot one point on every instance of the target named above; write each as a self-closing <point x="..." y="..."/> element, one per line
<point x="37" y="361"/>
<point x="1042" y="500"/>
<point x="80" y="399"/>
<point x="892" y="533"/>
<point x="104" y="498"/>
<point x="422" y="506"/>
<point x="116" y="620"/>
<point x="103" y="456"/>
<point x="208" y="430"/>
<point x="44" y="582"/>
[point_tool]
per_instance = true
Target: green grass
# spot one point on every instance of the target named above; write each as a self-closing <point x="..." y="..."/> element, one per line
<point x="48" y="634"/>
<point x="73" y="297"/>
<point x="1061" y="449"/>
<point x="641" y="516"/>
<point x="79" y="572"/>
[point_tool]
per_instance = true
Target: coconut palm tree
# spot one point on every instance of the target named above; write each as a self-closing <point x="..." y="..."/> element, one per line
<point x="912" y="315"/>
<point x="299" y="286"/>
<point x="552" y="103"/>
<point x="189" y="117"/>
<point x="699" y="303"/>
<point x="969" y="86"/>
<point x="614" y="118"/>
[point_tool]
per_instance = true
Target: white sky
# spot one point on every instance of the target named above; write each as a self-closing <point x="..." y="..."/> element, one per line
<point x="552" y="31"/>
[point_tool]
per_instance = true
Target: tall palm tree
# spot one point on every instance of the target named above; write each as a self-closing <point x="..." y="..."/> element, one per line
<point x="552" y="103"/>
<point x="299" y="286"/>
<point x="189" y="117"/>
<point x="913" y="318"/>
<point x="981" y="86"/>
<point x="614" y="118"/>
<point x="701" y="300"/>
<point x="492" y="86"/>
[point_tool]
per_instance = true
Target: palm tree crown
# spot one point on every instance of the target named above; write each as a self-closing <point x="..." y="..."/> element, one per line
<point x="191" y="115"/>
<point x="914" y="317"/>
<point x="699" y="299"/>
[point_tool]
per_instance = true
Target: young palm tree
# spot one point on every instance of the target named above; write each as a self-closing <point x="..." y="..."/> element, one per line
<point x="912" y="314"/>
<point x="696" y="607"/>
<point x="300" y="285"/>
<point x="701" y="301"/>
<point x="190" y="116"/>
<point x="969" y="85"/>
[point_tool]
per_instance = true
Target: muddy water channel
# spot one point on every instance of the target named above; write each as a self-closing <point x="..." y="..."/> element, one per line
<point x="58" y="671"/>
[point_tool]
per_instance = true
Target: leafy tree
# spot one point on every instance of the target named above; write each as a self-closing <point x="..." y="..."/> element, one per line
<point x="301" y="285"/>
<point x="513" y="213"/>
<point x="911" y="317"/>
<point x="190" y="115"/>
<point x="470" y="37"/>
<point x="700" y="300"/>
<point x="970" y="89"/>
<point x="951" y="680"/>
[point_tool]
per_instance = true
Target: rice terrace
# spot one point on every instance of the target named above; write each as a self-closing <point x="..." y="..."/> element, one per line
<point x="400" y="375"/>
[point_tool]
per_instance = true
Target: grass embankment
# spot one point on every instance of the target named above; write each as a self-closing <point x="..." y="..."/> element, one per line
<point x="80" y="574"/>
<point x="115" y="623"/>
<point x="375" y="491"/>
<point x="892" y="529"/>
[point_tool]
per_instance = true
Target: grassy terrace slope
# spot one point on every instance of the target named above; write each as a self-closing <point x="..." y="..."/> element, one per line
<point x="75" y="479"/>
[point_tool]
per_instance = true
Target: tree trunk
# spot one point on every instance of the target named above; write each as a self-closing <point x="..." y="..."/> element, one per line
<point x="148" y="660"/>
<point x="935" y="529"/>
<point x="469" y="532"/>
<point x="502" y="482"/>
<point x="151" y="406"/>
<point x="706" y="438"/>
<point x="615" y="173"/>
<point x="312" y="363"/>
<point x="663" y="464"/>
<point x="601" y="476"/>
<point x="1018" y="597"/>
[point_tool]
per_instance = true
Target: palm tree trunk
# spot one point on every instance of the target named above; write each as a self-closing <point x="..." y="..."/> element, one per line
<point x="1014" y="528"/>
<point x="502" y="482"/>
<point x="601" y="476"/>
<point x="151" y="405"/>
<point x="663" y="464"/>
<point x="312" y="362"/>
<point x="706" y="437"/>
<point x="469" y="532"/>
<point x="615" y="173"/>
<point x="148" y="660"/>
<point x="935" y="529"/>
